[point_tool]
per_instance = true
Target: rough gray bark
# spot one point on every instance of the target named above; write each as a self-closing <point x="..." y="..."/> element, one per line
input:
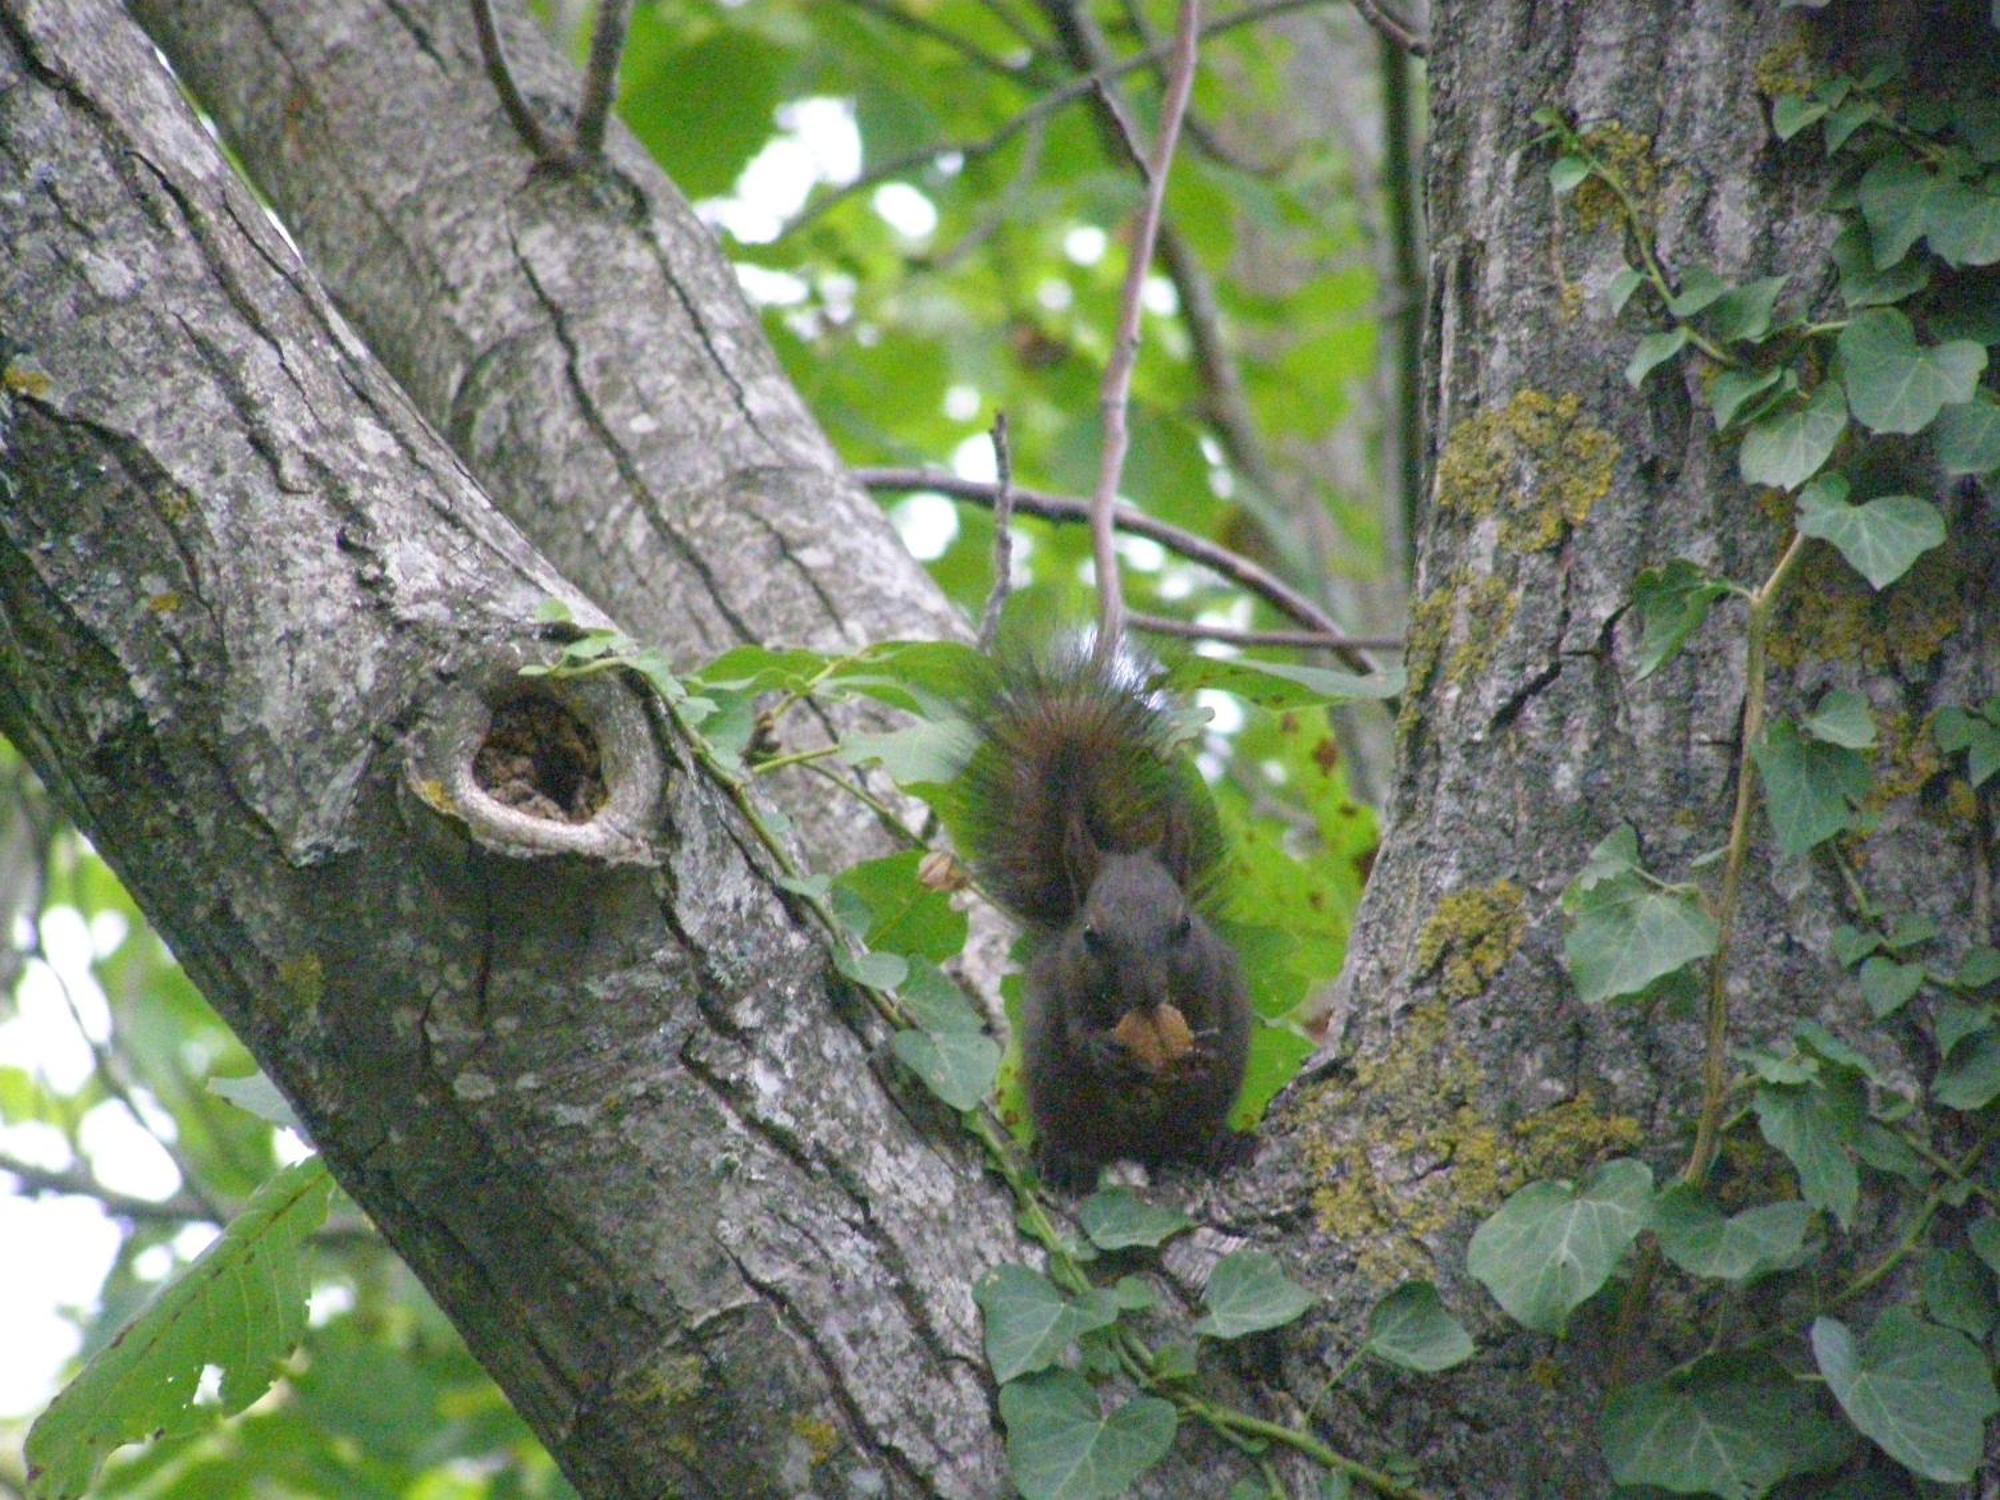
<point x="591" y="1078"/>
<point x="1465" y="1065"/>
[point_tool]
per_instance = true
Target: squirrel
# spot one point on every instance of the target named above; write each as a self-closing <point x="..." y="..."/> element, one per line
<point x="1101" y="841"/>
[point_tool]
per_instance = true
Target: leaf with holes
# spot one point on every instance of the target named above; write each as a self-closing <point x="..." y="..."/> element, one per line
<point x="1553" y="1245"/>
<point x="1922" y="1393"/>
<point x="241" y="1306"/>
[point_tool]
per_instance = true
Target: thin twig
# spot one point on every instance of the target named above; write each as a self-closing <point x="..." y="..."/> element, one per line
<point x="1003" y="534"/>
<point x="1239" y="570"/>
<point x="36" y="1181"/>
<point x="1050" y="104"/>
<point x="600" y="81"/>
<point x="494" y="54"/>
<point x="1393" y="28"/>
<point x="1117" y="395"/>
<point x="1306" y="640"/>
<point x="971" y="51"/>
<point x="1403" y="312"/>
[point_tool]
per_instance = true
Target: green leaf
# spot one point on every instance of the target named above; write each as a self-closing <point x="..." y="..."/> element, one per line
<point x="1280" y="685"/>
<point x="1787" y="447"/>
<point x="1980" y="968"/>
<point x="1863" y="284"/>
<point x="1957" y="1292"/>
<point x="1816" y="1125"/>
<point x="1568" y="173"/>
<point x="1622" y="286"/>
<point x="241" y="1305"/>
<point x="1730" y="1426"/>
<point x="1700" y="288"/>
<point x="1851" y="945"/>
<point x="1029" y="1323"/>
<point x="1732" y="390"/>
<point x="703" y="110"/>
<point x="1627" y="930"/>
<point x="1968" y="436"/>
<point x="875" y="971"/>
<point x="1552" y="1245"/>
<point x="1842" y="718"/>
<point x="1893" y="383"/>
<point x="1808" y="787"/>
<point x="1963" y="225"/>
<point x="1116" y="1219"/>
<point x="935" y="1002"/>
<point x="1673" y="603"/>
<point x="905" y="915"/>
<point x="957" y="1066"/>
<point x="1695" y="1236"/>
<point x="1970" y="1077"/>
<point x="1895" y="196"/>
<point x="1794" y="112"/>
<point x="260" y="1097"/>
<point x="1976" y="734"/>
<point x="1410" y="1329"/>
<point x="1744" y="312"/>
<point x="1922" y="1393"/>
<point x="1248" y="1293"/>
<point x="1061" y="1446"/>
<point x="1954" y="1022"/>
<point x="1984" y="1237"/>
<point x="926" y="752"/>
<point x="1654" y="350"/>
<point x="1887" y="985"/>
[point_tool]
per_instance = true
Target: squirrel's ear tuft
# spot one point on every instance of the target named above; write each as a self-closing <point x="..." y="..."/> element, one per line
<point x="1081" y="858"/>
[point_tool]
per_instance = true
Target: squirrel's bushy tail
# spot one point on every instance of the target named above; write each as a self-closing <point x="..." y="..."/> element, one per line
<point x="1077" y="753"/>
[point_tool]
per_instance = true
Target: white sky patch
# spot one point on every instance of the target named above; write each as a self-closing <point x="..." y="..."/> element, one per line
<point x="906" y="210"/>
<point x="973" y="459"/>
<point x="1085" y="245"/>
<point x="1055" y="295"/>
<point x="767" y="288"/>
<point x="124" y="1157"/>
<point x="328" y="1302"/>
<point x="927" y="523"/>
<point x="817" y="143"/>
<point x="1226" y="713"/>
<point x="1160" y="298"/>
<point x="1143" y="553"/>
<point x="54" y="1253"/>
<point x="962" y="402"/>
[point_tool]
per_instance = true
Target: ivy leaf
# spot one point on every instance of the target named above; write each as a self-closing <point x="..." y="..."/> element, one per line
<point x="1733" y="390"/>
<point x="1730" y="1426"/>
<point x="1030" y="1324"/>
<point x="1695" y="1236"/>
<point x="1887" y="985"/>
<point x="1410" y="1329"/>
<point x="1794" y="113"/>
<point x="1744" y="312"/>
<point x="875" y="971"/>
<point x="958" y="1066"/>
<point x="1970" y="1077"/>
<point x="1627" y="930"/>
<point x="241" y="1305"/>
<point x="1893" y="383"/>
<point x="1808" y="786"/>
<point x="1851" y="945"/>
<point x="904" y="915"/>
<point x="1863" y="284"/>
<point x="1673" y="602"/>
<point x="1622" y="286"/>
<point x="1963" y="225"/>
<point x="1981" y="967"/>
<point x="1248" y="1293"/>
<point x="1552" y="1245"/>
<point x="1654" y="350"/>
<point x="1953" y="1022"/>
<point x="1984" y="1238"/>
<point x="1700" y="288"/>
<point x="1968" y="436"/>
<point x="1922" y="1393"/>
<point x="1956" y="730"/>
<point x="927" y="752"/>
<point x="1061" y="1446"/>
<point x="1787" y="447"/>
<point x="1568" y="173"/>
<point x="1957" y="1293"/>
<point x="1895" y="196"/>
<point x="1842" y="718"/>
<point x="1816" y="1125"/>
<point x="1116" y="1219"/>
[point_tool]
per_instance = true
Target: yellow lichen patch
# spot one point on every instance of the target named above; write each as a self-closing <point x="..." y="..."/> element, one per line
<point x="1629" y="156"/>
<point x="1906" y="760"/>
<point x="168" y="603"/>
<point x="1961" y="800"/>
<point x="25" y="380"/>
<point x="1539" y="464"/>
<point x="1831" y="614"/>
<point x="1488" y="605"/>
<point x="820" y="1436"/>
<point x="434" y="793"/>
<point x="1489" y="611"/>
<point x="1381" y="1191"/>
<point x="1785" y="70"/>
<point x="304" y="979"/>
<point x="1471" y="936"/>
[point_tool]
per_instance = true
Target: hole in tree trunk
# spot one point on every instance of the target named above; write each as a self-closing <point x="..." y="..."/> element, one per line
<point x="540" y="759"/>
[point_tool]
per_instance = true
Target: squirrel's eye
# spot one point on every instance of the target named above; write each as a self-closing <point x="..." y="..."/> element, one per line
<point x="1184" y="928"/>
<point x="1092" y="938"/>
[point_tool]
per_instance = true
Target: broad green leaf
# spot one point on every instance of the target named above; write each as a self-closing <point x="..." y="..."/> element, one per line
<point x="905" y="915"/>
<point x="1984" y="1237"/>
<point x="1794" y="112"/>
<point x="1654" y="350"/>
<point x="1695" y="1236"/>
<point x="1410" y="1329"/>
<point x="1809" y="787"/>
<point x="1851" y="945"/>
<point x="1061" y="1445"/>
<point x="1816" y="1125"/>
<point x="1954" y="1022"/>
<point x="1673" y="602"/>
<point x="704" y="109"/>
<point x="1700" y="288"/>
<point x="1968" y="436"/>
<point x="1248" y="1293"/>
<point x="1970" y="1077"/>
<point x="1116" y="1219"/>
<point x="1622" y="286"/>
<point x="1976" y="735"/>
<point x="935" y="1002"/>
<point x="1744" y="312"/>
<point x="1963" y="225"/>
<point x="1568" y="173"/>
<point x="1029" y="1323"/>
<point x="1786" y="448"/>
<point x="1895" y="196"/>
<point x="875" y="971"/>
<point x="1626" y="930"/>
<point x="1280" y="685"/>
<point x="1814" y="1038"/>
<point x="1922" y="1393"/>
<point x="926" y="752"/>
<point x="1980" y="968"/>
<point x="1553" y="1245"/>
<point x="958" y="1066"/>
<point x="1895" y="384"/>
<point x="241" y="1306"/>
<point x="1863" y="284"/>
<point x="1887" y="985"/>
<point x="1957" y="1292"/>
<point x="1842" y="718"/>
<point x="1732" y="1426"/>
<point x="260" y="1097"/>
<point x="1734" y="390"/>
<point x="1976" y="118"/>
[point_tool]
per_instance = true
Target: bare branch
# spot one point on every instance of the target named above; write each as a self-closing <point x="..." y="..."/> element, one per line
<point x="1310" y="640"/>
<point x="1393" y="28"/>
<point x="493" y="53"/>
<point x="38" y="1182"/>
<point x="600" y="81"/>
<point x="1003" y="534"/>
<point x="971" y="51"/>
